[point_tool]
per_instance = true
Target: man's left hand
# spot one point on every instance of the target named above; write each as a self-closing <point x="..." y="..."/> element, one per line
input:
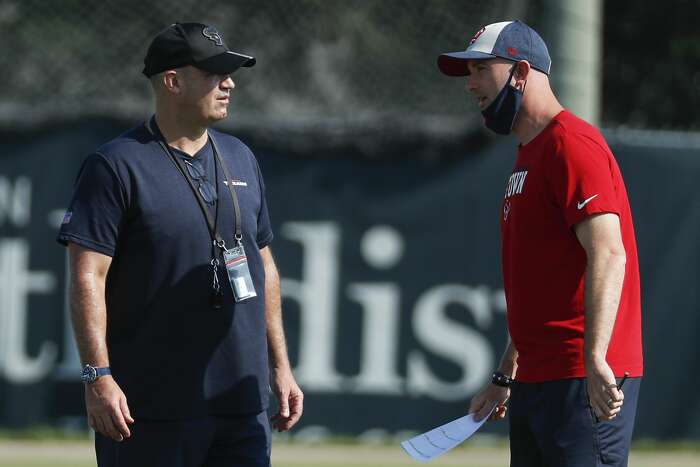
<point x="289" y="397"/>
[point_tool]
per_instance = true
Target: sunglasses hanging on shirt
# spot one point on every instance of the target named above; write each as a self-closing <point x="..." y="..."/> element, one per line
<point x="235" y="259"/>
<point x="197" y="174"/>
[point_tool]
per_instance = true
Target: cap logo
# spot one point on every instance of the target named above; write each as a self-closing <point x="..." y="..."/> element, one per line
<point x="512" y="51"/>
<point x="213" y="35"/>
<point x="476" y="36"/>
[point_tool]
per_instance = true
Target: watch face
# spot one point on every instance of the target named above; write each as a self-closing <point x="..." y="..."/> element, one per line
<point x="89" y="374"/>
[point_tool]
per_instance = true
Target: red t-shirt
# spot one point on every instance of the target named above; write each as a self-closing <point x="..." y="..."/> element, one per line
<point x="561" y="177"/>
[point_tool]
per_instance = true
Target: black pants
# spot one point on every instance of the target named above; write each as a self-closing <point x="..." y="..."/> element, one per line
<point x="204" y="442"/>
<point x="552" y="425"/>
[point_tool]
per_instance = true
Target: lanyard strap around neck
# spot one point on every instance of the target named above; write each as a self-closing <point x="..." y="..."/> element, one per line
<point x="232" y="190"/>
<point x="211" y="223"/>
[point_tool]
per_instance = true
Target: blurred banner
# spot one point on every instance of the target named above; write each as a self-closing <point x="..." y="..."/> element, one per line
<point x="394" y="306"/>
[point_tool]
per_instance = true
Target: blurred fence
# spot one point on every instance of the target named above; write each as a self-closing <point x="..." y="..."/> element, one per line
<point x="330" y="64"/>
<point x="324" y="63"/>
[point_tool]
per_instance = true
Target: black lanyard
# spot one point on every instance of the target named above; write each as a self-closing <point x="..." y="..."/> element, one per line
<point x="217" y="240"/>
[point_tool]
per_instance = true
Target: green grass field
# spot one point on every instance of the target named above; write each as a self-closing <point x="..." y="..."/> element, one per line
<point x="51" y="453"/>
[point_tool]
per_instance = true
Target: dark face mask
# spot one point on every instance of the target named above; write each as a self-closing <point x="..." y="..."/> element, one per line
<point x="500" y="115"/>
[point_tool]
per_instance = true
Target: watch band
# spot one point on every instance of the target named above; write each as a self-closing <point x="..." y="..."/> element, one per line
<point x="499" y="379"/>
<point x="104" y="371"/>
<point x="90" y="374"/>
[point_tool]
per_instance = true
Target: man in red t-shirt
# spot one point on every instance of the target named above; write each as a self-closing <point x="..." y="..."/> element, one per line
<point x="570" y="267"/>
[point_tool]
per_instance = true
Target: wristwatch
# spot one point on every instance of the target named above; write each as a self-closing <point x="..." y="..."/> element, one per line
<point x="499" y="379"/>
<point x="91" y="374"/>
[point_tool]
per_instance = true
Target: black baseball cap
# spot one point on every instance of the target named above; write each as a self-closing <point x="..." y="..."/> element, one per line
<point x="195" y="44"/>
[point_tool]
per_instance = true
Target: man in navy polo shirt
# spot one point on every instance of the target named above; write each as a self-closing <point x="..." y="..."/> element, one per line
<point x="175" y="294"/>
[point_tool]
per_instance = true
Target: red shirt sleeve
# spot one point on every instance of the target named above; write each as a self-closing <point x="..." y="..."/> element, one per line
<point x="581" y="178"/>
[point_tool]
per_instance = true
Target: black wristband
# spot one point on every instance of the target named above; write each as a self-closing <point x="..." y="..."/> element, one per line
<point x="499" y="379"/>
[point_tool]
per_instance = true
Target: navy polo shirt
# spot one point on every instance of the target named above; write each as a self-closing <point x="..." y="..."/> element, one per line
<point x="172" y="354"/>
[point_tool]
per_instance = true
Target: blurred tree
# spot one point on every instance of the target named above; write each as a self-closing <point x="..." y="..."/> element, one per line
<point x="651" y="67"/>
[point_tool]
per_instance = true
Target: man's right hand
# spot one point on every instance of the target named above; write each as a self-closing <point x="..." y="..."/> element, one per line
<point x="484" y="401"/>
<point x="107" y="410"/>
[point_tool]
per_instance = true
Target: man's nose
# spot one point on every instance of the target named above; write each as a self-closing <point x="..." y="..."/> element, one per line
<point x="470" y="85"/>
<point x="227" y="83"/>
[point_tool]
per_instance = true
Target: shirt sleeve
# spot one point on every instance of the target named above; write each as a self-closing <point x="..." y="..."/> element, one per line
<point x="265" y="235"/>
<point x="96" y="211"/>
<point x="581" y="178"/>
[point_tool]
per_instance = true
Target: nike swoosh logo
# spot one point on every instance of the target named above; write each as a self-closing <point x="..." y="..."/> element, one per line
<point x="585" y="202"/>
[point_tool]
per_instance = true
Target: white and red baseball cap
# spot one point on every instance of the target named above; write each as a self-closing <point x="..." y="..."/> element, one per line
<point x="510" y="40"/>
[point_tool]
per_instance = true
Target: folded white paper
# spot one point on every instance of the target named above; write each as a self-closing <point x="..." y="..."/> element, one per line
<point x="431" y="444"/>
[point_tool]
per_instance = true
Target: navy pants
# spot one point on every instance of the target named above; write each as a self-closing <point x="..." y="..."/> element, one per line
<point x="552" y="425"/>
<point x="240" y="441"/>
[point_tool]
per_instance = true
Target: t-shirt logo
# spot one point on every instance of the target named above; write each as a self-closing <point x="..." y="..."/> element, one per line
<point x="236" y="183"/>
<point x="516" y="183"/>
<point x="506" y="210"/>
<point x="581" y="204"/>
<point x="213" y="35"/>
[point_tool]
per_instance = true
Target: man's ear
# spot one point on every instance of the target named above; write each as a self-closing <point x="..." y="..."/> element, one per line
<point x="522" y="72"/>
<point x="172" y="81"/>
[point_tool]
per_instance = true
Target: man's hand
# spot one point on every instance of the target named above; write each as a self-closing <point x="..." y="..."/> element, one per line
<point x="289" y="397"/>
<point x="603" y="394"/>
<point x="107" y="410"/>
<point x="484" y="401"/>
